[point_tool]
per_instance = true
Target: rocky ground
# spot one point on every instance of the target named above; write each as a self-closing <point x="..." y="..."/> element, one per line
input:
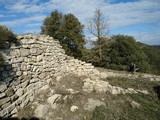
<point x="83" y="98"/>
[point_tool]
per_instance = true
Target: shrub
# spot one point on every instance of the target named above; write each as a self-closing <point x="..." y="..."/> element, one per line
<point x="6" y="37"/>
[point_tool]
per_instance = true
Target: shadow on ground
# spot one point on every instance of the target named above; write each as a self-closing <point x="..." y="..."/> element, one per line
<point x="33" y="118"/>
<point x="157" y="91"/>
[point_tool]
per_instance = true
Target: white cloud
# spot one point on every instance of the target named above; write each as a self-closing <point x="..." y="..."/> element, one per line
<point x="23" y="21"/>
<point x="121" y="14"/>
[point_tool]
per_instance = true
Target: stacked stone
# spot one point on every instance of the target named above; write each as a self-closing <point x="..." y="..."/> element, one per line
<point x="30" y="66"/>
<point x="81" y="68"/>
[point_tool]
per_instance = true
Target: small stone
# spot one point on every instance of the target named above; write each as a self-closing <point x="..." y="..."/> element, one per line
<point x="25" y="84"/>
<point x="39" y="58"/>
<point x="33" y="50"/>
<point x="19" y="92"/>
<point x="42" y="75"/>
<point x="74" y="108"/>
<point x="51" y="100"/>
<point x="135" y="104"/>
<point x="6" y="105"/>
<point x="3" y="87"/>
<point x="2" y="95"/>
<point x="18" y="73"/>
<point x="24" y="52"/>
<point x="34" y="80"/>
<point x="14" y="111"/>
<point x="9" y="92"/>
<point x="10" y="108"/>
<point x="103" y="75"/>
<point x="4" y="100"/>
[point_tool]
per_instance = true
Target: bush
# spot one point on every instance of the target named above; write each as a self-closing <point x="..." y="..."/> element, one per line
<point x="6" y="37"/>
<point x="99" y="113"/>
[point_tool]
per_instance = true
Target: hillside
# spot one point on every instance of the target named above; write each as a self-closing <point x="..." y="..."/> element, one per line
<point x="115" y="96"/>
<point x="156" y="46"/>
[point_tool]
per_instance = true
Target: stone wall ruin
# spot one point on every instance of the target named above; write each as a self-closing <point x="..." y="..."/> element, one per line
<point x="31" y="66"/>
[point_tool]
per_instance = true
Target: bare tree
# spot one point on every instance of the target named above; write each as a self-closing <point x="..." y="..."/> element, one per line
<point x="99" y="27"/>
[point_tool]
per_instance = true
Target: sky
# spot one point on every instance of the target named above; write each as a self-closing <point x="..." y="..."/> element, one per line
<point x="138" y="18"/>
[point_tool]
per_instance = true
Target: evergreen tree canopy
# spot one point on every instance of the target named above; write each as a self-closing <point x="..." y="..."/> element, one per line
<point x="124" y="51"/>
<point x="68" y="30"/>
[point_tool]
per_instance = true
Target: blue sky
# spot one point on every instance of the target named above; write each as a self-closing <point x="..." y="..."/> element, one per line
<point x="139" y="18"/>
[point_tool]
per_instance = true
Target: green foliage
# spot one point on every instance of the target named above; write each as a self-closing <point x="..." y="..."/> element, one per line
<point x="119" y="53"/>
<point x="99" y="113"/>
<point x="124" y="51"/>
<point x="153" y="54"/>
<point x="6" y="37"/>
<point x="68" y="30"/>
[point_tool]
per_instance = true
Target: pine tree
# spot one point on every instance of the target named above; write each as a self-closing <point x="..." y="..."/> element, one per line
<point x="68" y="30"/>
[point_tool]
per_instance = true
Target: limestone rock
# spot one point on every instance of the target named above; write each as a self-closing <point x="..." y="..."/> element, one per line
<point x="51" y="100"/>
<point x="41" y="111"/>
<point x="2" y="95"/>
<point x="9" y="91"/>
<point x="103" y="75"/>
<point x="24" y="52"/>
<point x="42" y="75"/>
<point x="33" y="50"/>
<point x="4" y="100"/>
<point x="74" y="108"/>
<point x="19" y="92"/>
<point x="3" y="87"/>
<point x="135" y="104"/>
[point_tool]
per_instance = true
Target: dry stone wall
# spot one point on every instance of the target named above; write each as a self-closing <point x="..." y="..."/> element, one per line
<point x="31" y="66"/>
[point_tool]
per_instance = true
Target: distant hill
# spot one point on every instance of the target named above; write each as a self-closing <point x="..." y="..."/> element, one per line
<point x="156" y="46"/>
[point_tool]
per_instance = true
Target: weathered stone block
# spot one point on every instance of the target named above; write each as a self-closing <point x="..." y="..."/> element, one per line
<point x="14" y="97"/>
<point x="4" y="100"/>
<point x="11" y="107"/>
<point x="24" y="103"/>
<point x="3" y="112"/>
<point x="34" y="80"/>
<point x="18" y="73"/>
<point x="24" y="52"/>
<point x="42" y="75"/>
<point x="6" y="105"/>
<point x="9" y="91"/>
<point x="19" y="92"/>
<point x="33" y="50"/>
<point x="3" y="87"/>
<point x="2" y="95"/>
